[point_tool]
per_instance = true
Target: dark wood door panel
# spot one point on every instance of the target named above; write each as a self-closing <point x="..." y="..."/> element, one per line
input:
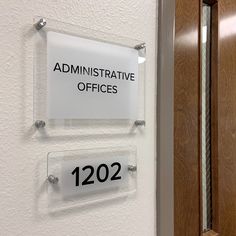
<point x="186" y="119"/>
<point x="227" y="118"/>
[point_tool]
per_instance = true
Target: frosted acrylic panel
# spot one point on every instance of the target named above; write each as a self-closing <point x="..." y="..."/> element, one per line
<point x="91" y="175"/>
<point x="121" y="112"/>
<point x="88" y="79"/>
<point x="109" y="173"/>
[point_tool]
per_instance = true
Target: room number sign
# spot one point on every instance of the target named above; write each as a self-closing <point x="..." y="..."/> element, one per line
<point x="102" y="169"/>
<point x="88" y="175"/>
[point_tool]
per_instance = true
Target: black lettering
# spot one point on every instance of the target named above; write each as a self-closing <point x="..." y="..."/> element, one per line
<point x="114" y="89"/>
<point x="119" y="72"/>
<point x="113" y="74"/>
<point x="99" y="173"/>
<point x="95" y="72"/>
<point x="94" y="86"/>
<point x="86" y="70"/>
<point x="88" y="86"/>
<point x="132" y="77"/>
<point x="126" y="76"/>
<point x="74" y="70"/>
<point x="109" y="88"/>
<point x="115" y="176"/>
<point x="57" y="67"/>
<point x="103" y="85"/>
<point x="101" y="70"/>
<point x="79" y="87"/>
<point x="123" y="75"/>
<point x="76" y="172"/>
<point x="87" y="180"/>
<point x="65" y="68"/>
<point x="107" y="73"/>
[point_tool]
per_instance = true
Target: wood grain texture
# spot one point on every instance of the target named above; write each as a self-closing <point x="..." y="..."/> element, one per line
<point x="210" y="233"/>
<point x="186" y="119"/>
<point x="227" y="118"/>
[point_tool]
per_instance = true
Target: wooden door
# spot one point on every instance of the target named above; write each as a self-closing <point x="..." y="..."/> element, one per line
<point x="187" y="117"/>
<point x="225" y="219"/>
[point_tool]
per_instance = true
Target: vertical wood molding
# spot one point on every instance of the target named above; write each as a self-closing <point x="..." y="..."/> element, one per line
<point x="227" y="118"/>
<point x="214" y="117"/>
<point x="186" y="119"/>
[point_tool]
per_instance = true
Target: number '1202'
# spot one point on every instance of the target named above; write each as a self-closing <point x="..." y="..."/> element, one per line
<point x="90" y="170"/>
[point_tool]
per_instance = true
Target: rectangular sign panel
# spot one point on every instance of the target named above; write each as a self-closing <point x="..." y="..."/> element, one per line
<point x="91" y="175"/>
<point x="78" y="177"/>
<point x="89" y="79"/>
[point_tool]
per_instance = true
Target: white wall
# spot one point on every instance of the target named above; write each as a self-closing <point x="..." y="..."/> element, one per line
<point x="22" y="158"/>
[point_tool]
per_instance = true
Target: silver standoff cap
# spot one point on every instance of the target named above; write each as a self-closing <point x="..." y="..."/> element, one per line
<point x="40" y="24"/>
<point x="53" y="179"/>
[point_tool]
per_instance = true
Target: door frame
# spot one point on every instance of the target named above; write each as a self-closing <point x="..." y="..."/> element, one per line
<point x="165" y="118"/>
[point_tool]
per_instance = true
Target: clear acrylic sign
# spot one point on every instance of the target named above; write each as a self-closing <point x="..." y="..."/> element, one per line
<point x="90" y="79"/>
<point x="84" y="176"/>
